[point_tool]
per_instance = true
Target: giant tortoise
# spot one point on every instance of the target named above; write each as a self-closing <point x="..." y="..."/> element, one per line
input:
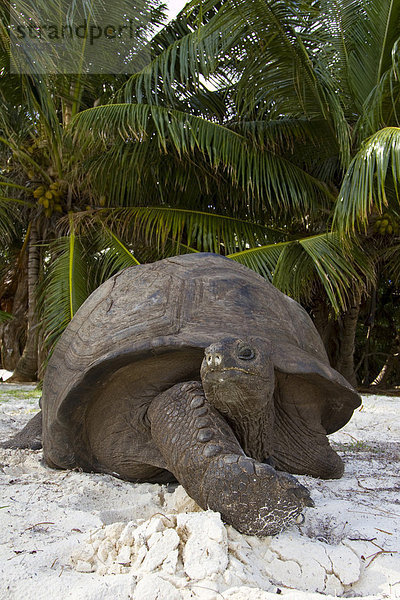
<point x="197" y="369"/>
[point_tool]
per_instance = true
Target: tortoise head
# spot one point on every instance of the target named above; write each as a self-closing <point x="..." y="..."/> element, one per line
<point x="238" y="379"/>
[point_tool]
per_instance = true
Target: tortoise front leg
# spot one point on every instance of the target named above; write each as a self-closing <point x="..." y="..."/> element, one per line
<point x="201" y="450"/>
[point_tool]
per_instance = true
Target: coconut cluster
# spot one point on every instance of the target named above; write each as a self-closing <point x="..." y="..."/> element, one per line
<point x="387" y="225"/>
<point x="51" y="198"/>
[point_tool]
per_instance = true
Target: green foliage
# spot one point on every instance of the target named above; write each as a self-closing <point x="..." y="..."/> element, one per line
<point x="365" y="184"/>
<point x="5" y="316"/>
<point x="264" y="131"/>
<point x="267" y="179"/>
<point x="292" y="265"/>
<point x="205" y="231"/>
<point x="113" y="254"/>
<point x="65" y="286"/>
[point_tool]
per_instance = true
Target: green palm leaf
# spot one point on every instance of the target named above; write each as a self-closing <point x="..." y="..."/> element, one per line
<point x="14" y="186"/>
<point x="5" y="316"/>
<point x="266" y="177"/>
<point x="204" y="231"/>
<point x="181" y="62"/>
<point x="114" y="254"/>
<point x="364" y="186"/>
<point x="292" y="266"/>
<point x="373" y="34"/>
<point x="271" y="50"/>
<point x="9" y="216"/>
<point x="65" y="287"/>
<point x="150" y="253"/>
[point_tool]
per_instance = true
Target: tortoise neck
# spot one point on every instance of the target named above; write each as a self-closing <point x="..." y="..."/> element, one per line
<point x="254" y="433"/>
<point x="249" y="410"/>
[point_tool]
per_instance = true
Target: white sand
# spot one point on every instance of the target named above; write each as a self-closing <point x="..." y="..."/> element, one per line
<point x="80" y="536"/>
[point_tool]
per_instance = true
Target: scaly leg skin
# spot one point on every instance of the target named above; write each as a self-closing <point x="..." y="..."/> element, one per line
<point x="29" y="437"/>
<point x="201" y="450"/>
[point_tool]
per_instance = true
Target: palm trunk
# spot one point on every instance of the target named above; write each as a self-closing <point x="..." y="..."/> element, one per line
<point x="13" y="333"/>
<point x="27" y="367"/>
<point x="339" y="335"/>
<point x="347" y="329"/>
<point x="391" y="368"/>
<point x="392" y="365"/>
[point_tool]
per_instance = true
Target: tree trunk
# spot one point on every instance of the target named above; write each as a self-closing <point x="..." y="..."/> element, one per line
<point x="392" y="364"/>
<point x="347" y="333"/>
<point x="13" y="333"/>
<point x="338" y="335"/>
<point x="391" y="368"/>
<point x="27" y="367"/>
<point x="371" y="323"/>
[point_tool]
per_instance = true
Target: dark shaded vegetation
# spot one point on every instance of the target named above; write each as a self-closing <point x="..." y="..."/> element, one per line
<point x="265" y="131"/>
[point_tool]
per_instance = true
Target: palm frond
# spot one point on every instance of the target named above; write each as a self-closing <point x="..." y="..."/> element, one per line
<point x="275" y="59"/>
<point x="203" y="231"/>
<point x="5" y="316"/>
<point x="178" y="67"/>
<point x="150" y="253"/>
<point x="374" y="33"/>
<point x="14" y="186"/>
<point x="265" y="177"/>
<point x="282" y="133"/>
<point x="9" y="216"/>
<point x="65" y="286"/>
<point x="293" y="265"/>
<point x="364" y="186"/>
<point x="114" y="254"/>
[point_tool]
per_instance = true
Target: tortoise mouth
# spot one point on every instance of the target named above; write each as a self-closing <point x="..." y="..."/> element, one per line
<point x="222" y="374"/>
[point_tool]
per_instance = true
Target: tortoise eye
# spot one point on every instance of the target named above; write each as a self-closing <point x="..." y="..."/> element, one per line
<point x="246" y="353"/>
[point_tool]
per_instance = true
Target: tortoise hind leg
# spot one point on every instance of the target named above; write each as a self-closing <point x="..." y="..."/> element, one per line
<point x="303" y="449"/>
<point x="29" y="437"/>
<point x="201" y="450"/>
<point x="301" y="445"/>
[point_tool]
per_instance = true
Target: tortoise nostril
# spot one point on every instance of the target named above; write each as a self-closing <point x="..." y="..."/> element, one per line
<point x="213" y="359"/>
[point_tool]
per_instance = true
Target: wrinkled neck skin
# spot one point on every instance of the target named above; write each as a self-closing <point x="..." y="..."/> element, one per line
<point x="246" y="401"/>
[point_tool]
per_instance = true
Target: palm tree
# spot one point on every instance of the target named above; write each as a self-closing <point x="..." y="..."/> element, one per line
<point x="249" y="143"/>
<point x="250" y="166"/>
<point x="315" y="78"/>
<point x="38" y="180"/>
